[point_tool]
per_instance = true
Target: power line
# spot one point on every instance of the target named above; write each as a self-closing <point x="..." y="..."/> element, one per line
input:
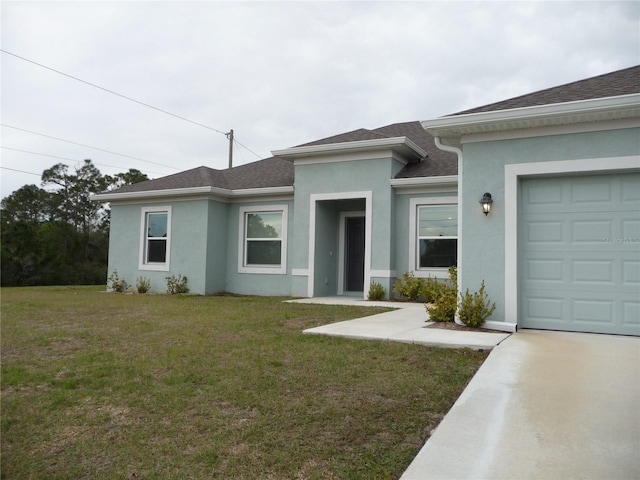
<point x="125" y="97"/>
<point x="69" y="159"/>
<point x="20" y="171"/>
<point x="111" y="91"/>
<point x="244" y="146"/>
<point x="87" y="146"/>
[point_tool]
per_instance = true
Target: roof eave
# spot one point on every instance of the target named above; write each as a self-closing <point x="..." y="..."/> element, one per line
<point x="403" y="145"/>
<point x="440" y="181"/>
<point x="191" y="192"/>
<point x="599" y="109"/>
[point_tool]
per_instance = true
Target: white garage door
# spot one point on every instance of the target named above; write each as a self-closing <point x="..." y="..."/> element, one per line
<point x="579" y="253"/>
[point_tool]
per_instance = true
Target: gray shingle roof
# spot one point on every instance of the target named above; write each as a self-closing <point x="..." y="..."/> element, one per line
<point x="279" y="172"/>
<point x="621" y="82"/>
<point x="437" y="162"/>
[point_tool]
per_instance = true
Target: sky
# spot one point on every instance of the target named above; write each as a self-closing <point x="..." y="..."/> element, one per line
<point x="279" y="74"/>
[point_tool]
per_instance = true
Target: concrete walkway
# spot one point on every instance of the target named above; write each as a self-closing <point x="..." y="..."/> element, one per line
<point x="406" y="324"/>
<point x="544" y="405"/>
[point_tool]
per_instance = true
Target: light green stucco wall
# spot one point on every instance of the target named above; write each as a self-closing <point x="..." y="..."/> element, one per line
<point x="254" y="283"/>
<point x="339" y="178"/>
<point x="216" y="262"/>
<point x="189" y="245"/>
<point x="483" y="238"/>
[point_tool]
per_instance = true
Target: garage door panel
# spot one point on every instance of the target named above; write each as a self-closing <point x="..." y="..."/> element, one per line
<point x="631" y="231"/>
<point x="592" y="272"/>
<point x="630" y="192"/>
<point x="579" y="249"/>
<point x="631" y="273"/>
<point x="590" y="231"/>
<point x="592" y="311"/>
<point x="631" y="311"/>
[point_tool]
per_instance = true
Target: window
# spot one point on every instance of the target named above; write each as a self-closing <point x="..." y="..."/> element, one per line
<point x="263" y="233"/>
<point x="155" y="238"/>
<point x="437" y="236"/>
<point x="433" y="235"/>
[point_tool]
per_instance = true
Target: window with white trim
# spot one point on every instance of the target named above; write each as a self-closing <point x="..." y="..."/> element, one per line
<point x="263" y="239"/>
<point x="437" y="236"/>
<point x="155" y="238"/>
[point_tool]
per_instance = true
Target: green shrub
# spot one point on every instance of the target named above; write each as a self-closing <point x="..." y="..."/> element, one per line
<point x="377" y="291"/>
<point x="445" y="298"/>
<point x="408" y="287"/>
<point x="117" y="284"/>
<point x="177" y="284"/>
<point x="443" y="309"/>
<point x="475" y="308"/>
<point x="143" y="285"/>
<point x="431" y="290"/>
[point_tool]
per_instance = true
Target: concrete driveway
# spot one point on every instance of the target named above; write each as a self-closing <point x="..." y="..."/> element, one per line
<point x="544" y="405"/>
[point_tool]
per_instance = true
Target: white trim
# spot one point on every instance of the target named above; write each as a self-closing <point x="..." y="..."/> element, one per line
<point x="414" y="203"/>
<point x="351" y="157"/>
<point x="158" y="267"/>
<point x="598" y="109"/>
<point x="444" y="180"/>
<point x="341" y="246"/>
<point x="268" y="270"/>
<point x="551" y="130"/>
<point x="383" y="273"/>
<point x="317" y="197"/>
<point x="512" y="175"/>
<point x="406" y="146"/>
<point x="191" y="191"/>
<point x="501" y="326"/>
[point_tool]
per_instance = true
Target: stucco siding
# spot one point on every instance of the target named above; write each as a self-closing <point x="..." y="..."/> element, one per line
<point x="188" y="244"/>
<point x="216" y="260"/>
<point x="341" y="187"/>
<point x="255" y="283"/>
<point x="483" y="241"/>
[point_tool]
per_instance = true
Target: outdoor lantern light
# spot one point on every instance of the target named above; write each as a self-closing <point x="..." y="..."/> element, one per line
<point x="486" y="202"/>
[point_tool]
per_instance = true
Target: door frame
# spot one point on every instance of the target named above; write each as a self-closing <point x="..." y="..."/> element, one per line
<point x="342" y="245"/>
<point x="367" y="195"/>
<point x="513" y="173"/>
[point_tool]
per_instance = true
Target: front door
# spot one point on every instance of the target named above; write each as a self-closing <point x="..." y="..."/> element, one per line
<point x="354" y="254"/>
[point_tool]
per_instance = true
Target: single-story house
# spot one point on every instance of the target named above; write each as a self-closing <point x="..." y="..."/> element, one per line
<point x="559" y="249"/>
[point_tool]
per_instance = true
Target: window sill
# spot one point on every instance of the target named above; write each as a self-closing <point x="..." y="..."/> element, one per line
<point x="279" y="270"/>
<point x="435" y="272"/>
<point x="154" y="268"/>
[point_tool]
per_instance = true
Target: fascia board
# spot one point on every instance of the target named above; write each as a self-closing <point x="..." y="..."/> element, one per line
<point x="406" y="145"/>
<point x="174" y="192"/>
<point x="252" y="192"/>
<point x="525" y="117"/>
<point x="192" y="191"/>
<point x="425" y="181"/>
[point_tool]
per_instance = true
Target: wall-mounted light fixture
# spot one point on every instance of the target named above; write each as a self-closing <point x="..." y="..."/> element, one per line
<point x="486" y="202"/>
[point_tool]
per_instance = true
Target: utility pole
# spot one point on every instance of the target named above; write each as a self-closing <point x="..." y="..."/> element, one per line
<point x="230" y="137"/>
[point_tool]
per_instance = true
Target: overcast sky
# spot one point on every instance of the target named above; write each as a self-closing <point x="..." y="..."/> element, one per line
<point x="278" y="73"/>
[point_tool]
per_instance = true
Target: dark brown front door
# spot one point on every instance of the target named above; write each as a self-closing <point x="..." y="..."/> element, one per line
<point x="354" y="255"/>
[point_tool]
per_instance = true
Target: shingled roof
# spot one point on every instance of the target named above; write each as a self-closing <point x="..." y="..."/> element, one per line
<point x="621" y="82"/>
<point x="437" y="162"/>
<point x="279" y="172"/>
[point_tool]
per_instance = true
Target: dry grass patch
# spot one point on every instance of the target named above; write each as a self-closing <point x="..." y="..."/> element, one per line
<point x="99" y="385"/>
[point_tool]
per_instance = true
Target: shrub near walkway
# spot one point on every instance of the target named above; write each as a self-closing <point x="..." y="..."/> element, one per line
<point x="98" y="385"/>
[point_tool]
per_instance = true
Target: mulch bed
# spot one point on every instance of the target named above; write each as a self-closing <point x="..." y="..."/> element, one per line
<point x="455" y="326"/>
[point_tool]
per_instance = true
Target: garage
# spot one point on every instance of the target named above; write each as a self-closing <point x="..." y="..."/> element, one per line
<point x="579" y="253"/>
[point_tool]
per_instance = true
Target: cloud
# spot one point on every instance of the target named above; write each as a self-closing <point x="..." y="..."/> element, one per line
<point x="278" y="73"/>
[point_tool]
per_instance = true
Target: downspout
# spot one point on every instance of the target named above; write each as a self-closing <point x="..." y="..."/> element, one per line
<point x="458" y="152"/>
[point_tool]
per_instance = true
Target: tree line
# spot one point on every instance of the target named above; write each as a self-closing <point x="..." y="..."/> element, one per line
<point x="54" y="234"/>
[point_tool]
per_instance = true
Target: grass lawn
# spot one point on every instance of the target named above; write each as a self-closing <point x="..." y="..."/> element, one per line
<point x="113" y="386"/>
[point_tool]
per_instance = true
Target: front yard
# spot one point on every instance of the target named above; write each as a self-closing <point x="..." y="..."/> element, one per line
<point x="112" y="386"/>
